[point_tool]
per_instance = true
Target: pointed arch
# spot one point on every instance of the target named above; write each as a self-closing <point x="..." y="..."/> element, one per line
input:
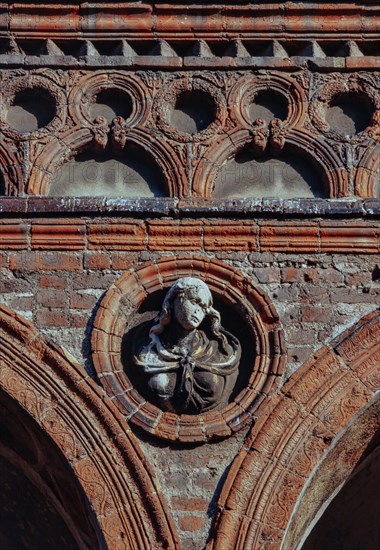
<point x="91" y="434"/>
<point x="291" y="435"/>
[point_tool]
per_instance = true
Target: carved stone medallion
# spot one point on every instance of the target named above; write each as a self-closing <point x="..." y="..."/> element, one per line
<point x="189" y="362"/>
<point x="188" y="348"/>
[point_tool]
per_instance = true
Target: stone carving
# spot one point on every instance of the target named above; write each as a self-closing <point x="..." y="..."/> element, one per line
<point x="122" y="331"/>
<point x="189" y="361"/>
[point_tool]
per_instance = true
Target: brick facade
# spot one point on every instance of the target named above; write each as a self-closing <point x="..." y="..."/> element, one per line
<point x="279" y="216"/>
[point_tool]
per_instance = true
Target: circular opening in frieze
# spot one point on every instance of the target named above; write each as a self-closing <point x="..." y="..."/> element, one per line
<point x="193" y="112"/>
<point x="111" y="104"/>
<point x="31" y="109"/>
<point x="349" y="113"/>
<point x="268" y="105"/>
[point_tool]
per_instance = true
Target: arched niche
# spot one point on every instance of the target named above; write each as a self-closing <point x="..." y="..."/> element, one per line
<point x="377" y="188"/>
<point x="367" y="176"/>
<point x="289" y="175"/>
<point x="143" y="160"/>
<point x="351" y="519"/>
<point x="42" y="504"/>
<point x="307" y="165"/>
<point x="130" y="174"/>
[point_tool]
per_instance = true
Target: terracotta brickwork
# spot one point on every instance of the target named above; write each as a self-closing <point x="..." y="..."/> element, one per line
<point x="142" y="143"/>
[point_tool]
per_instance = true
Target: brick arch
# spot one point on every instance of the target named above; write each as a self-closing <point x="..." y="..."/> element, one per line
<point x="367" y="173"/>
<point x="315" y="151"/>
<point x="78" y="140"/>
<point x="11" y="170"/>
<point x="291" y="435"/>
<point x="95" y="441"/>
<point x="343" y="460"/>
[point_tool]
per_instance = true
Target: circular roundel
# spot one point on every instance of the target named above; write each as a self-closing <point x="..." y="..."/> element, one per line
<point x="241" y="351"/>
<point x="346" y="108"/>
<point x="267" y="97"/>
<point x="32" y="105"/>
<point x="190" y="109"/>
<point x="110" y="95"/>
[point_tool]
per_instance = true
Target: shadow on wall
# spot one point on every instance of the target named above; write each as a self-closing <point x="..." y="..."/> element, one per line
<point x="133" y="175"/>
<point x="286" y="176"/>
<point x="42" y="504"/>
<point x="377" y="188"/>
<point x="351" y="520"/>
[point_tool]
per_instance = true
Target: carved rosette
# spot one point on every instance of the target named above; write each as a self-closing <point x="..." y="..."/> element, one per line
<point x="131" y="294"/>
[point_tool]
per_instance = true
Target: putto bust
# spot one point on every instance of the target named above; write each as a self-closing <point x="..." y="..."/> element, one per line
<point x="189" y="362"/>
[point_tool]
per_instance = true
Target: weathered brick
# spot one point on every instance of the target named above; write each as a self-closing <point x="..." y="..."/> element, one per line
<point x="299" y="354"/>
<point x="117" y="235"/>
<point x="300" y="336"/>
<point x="51" y="317"/>
<point x="173" y="235"/>
<point x="78" y="320"/>
<point x="61" y="234"/>
<point x="22" y="303"/>
<point x="230" y="235"/>
<point x="82" y="300"/>
<point x="13" y="234"/>
<point x="316" y="314"/>
<point x="97" y="260"/>
<point x="267" y="274"/>
<point x="190" y="504"/>
<point x="45" y="261"/>
<point x="349" y="295"/>
<point x="124" y="260"/>
<point x="3" y="260"/>
<point x="93" y="279"/>
<point x="59" y="282"/>
<point x="358" y="237"/>
<point x="191" y="523"/>
<point x="52" y="298"/>
<point x="288" y="237"/>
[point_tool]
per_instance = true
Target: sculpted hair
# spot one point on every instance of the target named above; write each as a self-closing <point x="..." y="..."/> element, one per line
<point x="186" y="287"/>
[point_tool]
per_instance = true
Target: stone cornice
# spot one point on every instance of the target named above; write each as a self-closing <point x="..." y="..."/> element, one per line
<point x="191" y="207"/>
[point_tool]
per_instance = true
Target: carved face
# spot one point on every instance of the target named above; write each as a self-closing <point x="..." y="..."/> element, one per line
<point x="190" y="310"/>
